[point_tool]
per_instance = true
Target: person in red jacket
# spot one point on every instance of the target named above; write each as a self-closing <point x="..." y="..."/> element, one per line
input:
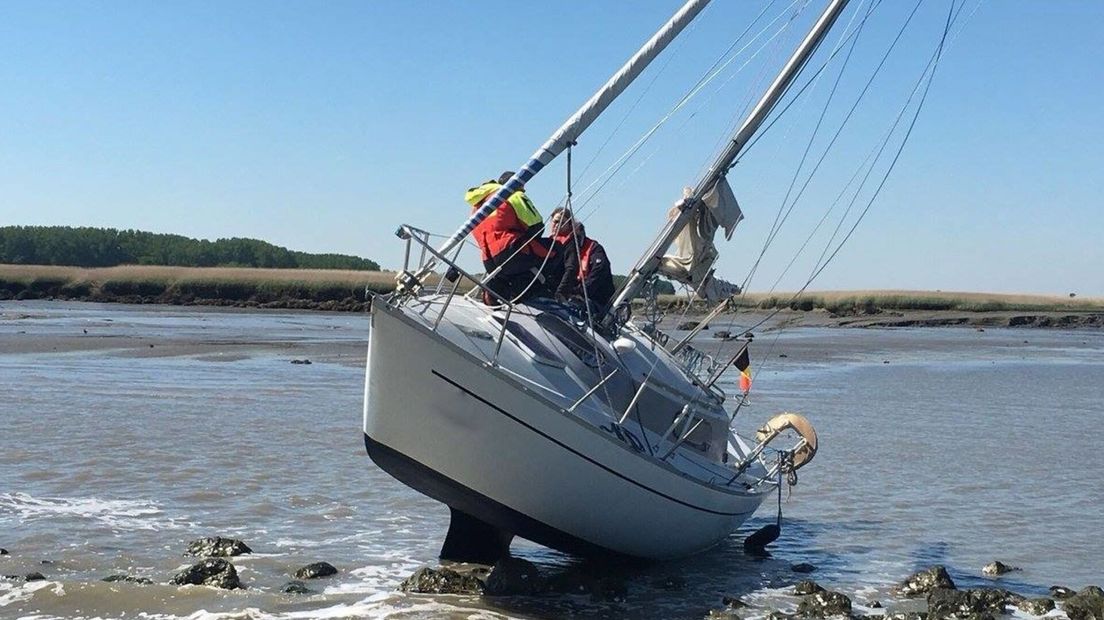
<point x="509" y="241"/>
<point x="587" y="273"/>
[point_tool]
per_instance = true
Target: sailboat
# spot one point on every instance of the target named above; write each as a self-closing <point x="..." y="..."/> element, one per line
<point x="589" y="434"/>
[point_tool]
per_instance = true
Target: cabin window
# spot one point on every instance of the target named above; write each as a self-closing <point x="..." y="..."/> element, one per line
<point x="530" y="343"/>
<point x="577" y="343"/>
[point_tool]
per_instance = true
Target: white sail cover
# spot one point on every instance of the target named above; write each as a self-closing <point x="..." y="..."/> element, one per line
<point x="694" y="253"/>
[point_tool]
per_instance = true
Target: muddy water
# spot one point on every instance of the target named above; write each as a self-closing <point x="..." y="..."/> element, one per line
<point x="965" y="447"/>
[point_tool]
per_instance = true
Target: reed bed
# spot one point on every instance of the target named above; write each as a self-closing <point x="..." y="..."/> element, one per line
<point x="157" y="284"/>
<point x="872" y="302"/>
<point x="247" y="286"/>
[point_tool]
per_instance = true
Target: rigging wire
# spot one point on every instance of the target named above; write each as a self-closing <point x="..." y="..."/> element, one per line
<point x="827" y="150"/>
<point x="600" y="183"/>
<point x="780" y="218"/>
<point x="929" y="74"/>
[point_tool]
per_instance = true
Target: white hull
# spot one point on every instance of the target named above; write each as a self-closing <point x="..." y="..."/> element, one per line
<point x="444" y="422"/>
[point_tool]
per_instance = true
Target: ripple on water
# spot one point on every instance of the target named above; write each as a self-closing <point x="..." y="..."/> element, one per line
<point x="117" y="514"/>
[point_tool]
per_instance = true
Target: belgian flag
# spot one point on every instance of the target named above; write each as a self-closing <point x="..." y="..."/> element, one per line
<point x="743" y="364"/>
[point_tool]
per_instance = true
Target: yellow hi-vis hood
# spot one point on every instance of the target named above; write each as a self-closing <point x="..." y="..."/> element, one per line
<point x="524" y="208"/>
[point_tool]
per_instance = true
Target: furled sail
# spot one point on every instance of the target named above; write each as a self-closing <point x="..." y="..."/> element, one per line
<point x="691" y="263"/>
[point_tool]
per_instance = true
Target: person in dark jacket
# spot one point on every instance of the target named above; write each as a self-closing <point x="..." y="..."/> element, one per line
<point x="587" y="274"/>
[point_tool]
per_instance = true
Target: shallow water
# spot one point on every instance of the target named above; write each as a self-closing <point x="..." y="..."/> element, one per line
<point x="965" y="447"/>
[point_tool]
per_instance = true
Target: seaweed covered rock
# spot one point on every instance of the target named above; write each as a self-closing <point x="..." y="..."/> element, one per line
<point x="217" y="547"/>
<point x="316" y="570"/>
<point x="3" y="551"/>
<point x="127" y="579"/>
<point x="906" y="615"/>
<point x="726" y="613"/>
<point x="214" y="572"/>
<point x="511" y="576"/>
<point x="296" y="587"/>
<point x="1088" y="604"/>
<point x="34" y="577"/>
<point x="948" y="603"/>
<point x="803" y="567"/>
<point x="997" y="568"/>
<point x="1036" y="606"/>
<point x="428" y="580"/>
<point x="824" y="603"/>
<point x="1061" y="592"/>
<point x="925" y="581"/>
<point x="807" y="586"/>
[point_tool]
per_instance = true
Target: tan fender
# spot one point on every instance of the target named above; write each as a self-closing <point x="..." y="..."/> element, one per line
<point x="791" y="421"/>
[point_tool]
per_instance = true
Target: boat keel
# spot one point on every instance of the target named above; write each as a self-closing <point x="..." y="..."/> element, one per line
<point x="472" y="540"/>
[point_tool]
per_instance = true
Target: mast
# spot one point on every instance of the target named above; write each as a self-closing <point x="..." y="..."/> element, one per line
<point x="650" y="261"/>
<point x="572" y="128"/>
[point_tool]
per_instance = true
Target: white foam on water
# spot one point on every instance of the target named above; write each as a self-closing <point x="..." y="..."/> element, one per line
<point x="378" y="606"/>
<point x="18" y="593"/>
<point x="118" y="514"/>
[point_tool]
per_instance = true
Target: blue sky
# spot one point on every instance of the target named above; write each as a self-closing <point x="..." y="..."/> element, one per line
<point x="323" y="126"/>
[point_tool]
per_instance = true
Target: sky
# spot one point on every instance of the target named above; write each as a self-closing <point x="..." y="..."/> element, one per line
<point x="323" y="126"/>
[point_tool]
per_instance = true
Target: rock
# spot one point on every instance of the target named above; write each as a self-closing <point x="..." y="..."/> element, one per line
<point x="128" y="579"/>
<point x="723" y="614"/>
<point x="722" y="334"/>
<point x="906" y="615"/>
<point x="949" y="603"/>
<point x="823" y="604"/>
<point x="428" y="580"/>
<point x="925" y="581"/>
<point x="34" y="577"/>
<point x="316" y="570"/>
<point x="807" y="587"/>
<point x="217" y="547"/>
<point x="511" y="576"/>
<point x="780" y="615"/>
<point x="803" y="567"/>
<point x="304" y="362"/>
<point x="1036" y="606"/>
<point x="783" y="355"/>
<point x="215" y="572"/>
<point x="686" y="325"/>
<point x="874" y="604"/>
<point x="3" y="551"/>
<point x="296" y="587"/>
<point x="1088" y="604"/>
<point x="1061" y="592"/>
<point x="997" y="567"/>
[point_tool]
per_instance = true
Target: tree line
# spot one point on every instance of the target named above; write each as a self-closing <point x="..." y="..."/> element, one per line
<point x="107" y="247"/>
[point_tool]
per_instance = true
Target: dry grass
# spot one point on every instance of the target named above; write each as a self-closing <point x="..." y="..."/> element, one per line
<point x="153" y="273"/>
<point x="867" y="301"/>
<point x="173" y="284"/>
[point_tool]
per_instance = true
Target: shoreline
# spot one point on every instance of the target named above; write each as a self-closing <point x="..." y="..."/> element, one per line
<point x="733" y="322"/>
<point x="352" y="291"/>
